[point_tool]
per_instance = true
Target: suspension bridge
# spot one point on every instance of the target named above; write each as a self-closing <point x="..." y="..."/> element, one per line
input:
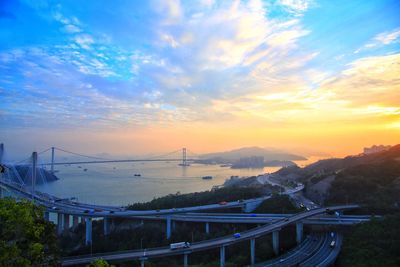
<point x="184" y="160"/>
<point x="65" y="208"/>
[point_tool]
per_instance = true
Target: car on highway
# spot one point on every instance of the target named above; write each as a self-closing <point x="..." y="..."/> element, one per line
<point x="332" y="244"/>
<point x="88" y="211"/>
<point x="223" y="203"/>
<point x="236" y="235"/>
<point x="179" y="245"/>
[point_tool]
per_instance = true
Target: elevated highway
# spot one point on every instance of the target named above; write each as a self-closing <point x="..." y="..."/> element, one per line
<point x="58" y="205"/>
<point x="207" y="244"/>
<point x="260" y="218"/>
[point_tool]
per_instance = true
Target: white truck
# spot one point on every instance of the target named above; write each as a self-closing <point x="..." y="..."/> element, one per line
<point x="179" y="245"/>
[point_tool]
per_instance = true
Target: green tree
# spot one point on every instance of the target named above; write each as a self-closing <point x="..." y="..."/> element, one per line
<point x="99" y="263"/>
<point x="26" y="239"/>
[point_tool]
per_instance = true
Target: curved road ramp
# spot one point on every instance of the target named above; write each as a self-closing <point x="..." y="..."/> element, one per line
<point x="221" y="242"/>
<point x="315" y="250"/>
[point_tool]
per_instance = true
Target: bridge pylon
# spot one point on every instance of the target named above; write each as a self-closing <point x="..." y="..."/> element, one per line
<point x="184" y="158"/>
<point x="52" y="159"/>
<point x="34" y="169"/>
<point x="1" y="152"/>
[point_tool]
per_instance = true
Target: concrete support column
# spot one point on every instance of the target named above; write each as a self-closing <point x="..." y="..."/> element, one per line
<point x="88" y="237"/>
<point x="222" y="256"/>
<point x="168" y="227"/>
<point x="185" y="260"/>
<point x="106" y="222"/>
<point x="59" y="223"/>
<point x="75" y="221"/>
<point x="299" y="232"/>
<point x="252" y="251"/>
<point x="66" y="222"/>
<point x="275" y="242"/>
<point x="46" y="215"/>
<point x="142" y="260"/>
<point x="207" y="227"/>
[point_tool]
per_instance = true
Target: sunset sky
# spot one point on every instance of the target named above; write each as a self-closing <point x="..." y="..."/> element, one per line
<point x="131" y="77"/>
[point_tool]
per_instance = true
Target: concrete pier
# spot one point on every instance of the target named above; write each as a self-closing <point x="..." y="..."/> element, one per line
<point x="222" y="256"/>
<point x="168" y="227"/>
<point x="66" y="222"/>
<point x="252" y="251"/>
<point x="106" y="222"/>
<point x="299" y="232"/>
<point x="142" y="260"/>
<point x="275" y="242"/>
<point x="207" y="227"/>
<point x="185" y="260"/>
<point x="75" y="221"/>
<point x="59" y="223"/>
<point x="88" y="233"/>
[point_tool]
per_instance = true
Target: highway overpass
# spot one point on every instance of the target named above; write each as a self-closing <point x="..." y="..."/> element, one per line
<point x="220" y="243"/>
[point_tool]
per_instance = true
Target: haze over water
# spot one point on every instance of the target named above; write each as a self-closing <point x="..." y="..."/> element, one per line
<point x="102" y="184"/>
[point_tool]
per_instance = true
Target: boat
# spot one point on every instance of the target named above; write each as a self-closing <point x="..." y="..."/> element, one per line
<point x="226" y="165"/>
<point x="137" y="174"/>
<point x="85" y="170"/>
<point x="207" y="177"/>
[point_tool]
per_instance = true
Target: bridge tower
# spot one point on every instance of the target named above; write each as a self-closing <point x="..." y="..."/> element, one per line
<point x="184" y="158"/>
<point x="184" y="162"/>
<point x="1" y="167"/>
<point x="34" y="165"/>
<point x="52" y="159"/>
<point x="1" y="152"/>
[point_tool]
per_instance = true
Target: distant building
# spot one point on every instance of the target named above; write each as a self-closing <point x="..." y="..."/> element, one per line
<point x="375" y="149"/>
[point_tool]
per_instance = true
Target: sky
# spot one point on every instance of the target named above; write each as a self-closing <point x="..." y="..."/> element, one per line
<point x="131" y="77"/>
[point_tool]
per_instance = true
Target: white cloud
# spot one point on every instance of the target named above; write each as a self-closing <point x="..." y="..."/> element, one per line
<point x="381" y="39"/>
<point x="296" y="6"/>
<point x="84" y="40"/>
<point x="388" y="37"/>
<point x="70" y="28"/>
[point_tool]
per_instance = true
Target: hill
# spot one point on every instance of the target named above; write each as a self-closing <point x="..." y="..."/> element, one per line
<point x="371" y="179"/>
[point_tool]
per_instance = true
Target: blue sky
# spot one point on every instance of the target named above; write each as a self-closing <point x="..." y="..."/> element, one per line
<point x="146" y="65"/>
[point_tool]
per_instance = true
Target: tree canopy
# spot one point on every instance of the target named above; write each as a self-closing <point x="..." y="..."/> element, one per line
<point x="26" y="239"/>
<point x="99" y="263"/>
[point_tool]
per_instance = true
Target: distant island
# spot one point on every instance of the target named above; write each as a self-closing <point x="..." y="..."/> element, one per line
<point x="251" y="157"/>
